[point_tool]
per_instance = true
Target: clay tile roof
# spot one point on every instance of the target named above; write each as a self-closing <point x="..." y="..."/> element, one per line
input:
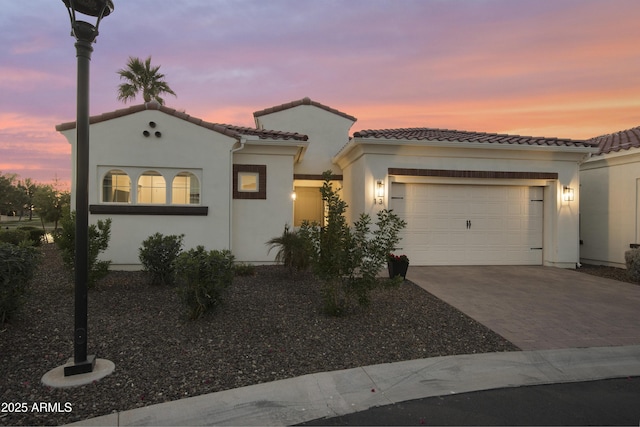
<point x="422" y="134"/>
<point x="623" y="140"/>
<point x="229" y="130"/>
<point x="303" y="101"/>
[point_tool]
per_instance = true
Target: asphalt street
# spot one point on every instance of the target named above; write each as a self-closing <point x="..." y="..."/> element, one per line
<point x="605" y="402"/>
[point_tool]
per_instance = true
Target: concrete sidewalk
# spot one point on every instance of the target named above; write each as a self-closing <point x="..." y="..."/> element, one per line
<point x="330" y="394"/>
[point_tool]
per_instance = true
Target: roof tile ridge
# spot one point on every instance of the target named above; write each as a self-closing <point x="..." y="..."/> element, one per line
<point x="304" y="101"/>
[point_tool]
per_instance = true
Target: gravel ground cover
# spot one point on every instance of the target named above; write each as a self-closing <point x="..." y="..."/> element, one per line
<point x="271" y="327"/>
<point x="614" y="273"/>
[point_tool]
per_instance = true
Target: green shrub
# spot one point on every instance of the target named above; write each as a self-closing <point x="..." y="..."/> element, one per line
<point x="17" y="265"/>
<point x="632" y="260"/>
<point x="36" y="235"/>
<point x="293" y="250"/>
<point x="347" y="260"/>
<point x="202" y="278"/>
<point x="99" y="235"/>
<point x="14" y="237"/>
<point x="244" y="270"/>
<point x="158" y="254"/>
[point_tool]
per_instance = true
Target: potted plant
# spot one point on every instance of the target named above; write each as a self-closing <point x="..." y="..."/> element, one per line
<point x="397" y="265"/>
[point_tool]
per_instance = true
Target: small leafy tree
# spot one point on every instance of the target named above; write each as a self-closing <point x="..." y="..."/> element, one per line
<point x="347" y="260"/>
<point x="99" y="236"/>
<point x="202" y="277"/>
<point x="158" y="254"/>
<point x="17" y="266"/>
<point x="51" y="204"/>
<point x="293" y="250"/>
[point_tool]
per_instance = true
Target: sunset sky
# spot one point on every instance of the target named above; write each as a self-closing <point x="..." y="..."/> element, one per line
<point x="565" y="68"/>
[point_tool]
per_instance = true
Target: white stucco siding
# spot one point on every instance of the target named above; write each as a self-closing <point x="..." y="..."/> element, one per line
<point x="560" y="235"/>
<point x="609" y="207"/>
<point x="327" y="132"/>
<point x="255" y="221"/>
<point x="129" y="231"/>
<point x="120" y="143"/>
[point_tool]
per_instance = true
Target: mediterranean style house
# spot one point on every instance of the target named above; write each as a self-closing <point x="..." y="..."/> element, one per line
<point x="610" y="203"/>
<point x="469" y="198"/>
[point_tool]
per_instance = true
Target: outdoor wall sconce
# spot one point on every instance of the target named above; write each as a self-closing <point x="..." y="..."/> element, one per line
<point x="294" y="196"/>
<point x="379" y="191"/>
<point x="567" y="194"/>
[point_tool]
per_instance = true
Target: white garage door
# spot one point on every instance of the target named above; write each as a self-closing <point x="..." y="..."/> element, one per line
<point x="470" y="224"/>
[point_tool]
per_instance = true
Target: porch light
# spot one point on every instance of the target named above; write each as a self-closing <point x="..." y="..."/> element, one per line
<point x="567" y="194"/>
<point x="379" y="191"/>
<point x="293" y="196"/>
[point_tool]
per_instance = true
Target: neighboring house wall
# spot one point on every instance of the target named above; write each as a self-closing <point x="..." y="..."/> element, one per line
<point x="609" y="206"/>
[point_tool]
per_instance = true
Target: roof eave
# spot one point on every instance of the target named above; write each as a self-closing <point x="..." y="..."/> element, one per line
<point x="579" y="147"/>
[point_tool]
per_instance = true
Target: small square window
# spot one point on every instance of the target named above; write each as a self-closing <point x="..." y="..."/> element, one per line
<point x="249" y="181"/>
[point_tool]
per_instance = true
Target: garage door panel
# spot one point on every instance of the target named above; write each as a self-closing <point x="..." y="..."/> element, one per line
<point x="469" y="224"/>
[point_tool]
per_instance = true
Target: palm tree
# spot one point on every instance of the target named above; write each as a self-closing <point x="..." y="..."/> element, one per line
<point x="141" y="77"/>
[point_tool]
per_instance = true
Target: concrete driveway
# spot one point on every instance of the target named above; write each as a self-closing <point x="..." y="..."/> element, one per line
<point x="539" y="308"/>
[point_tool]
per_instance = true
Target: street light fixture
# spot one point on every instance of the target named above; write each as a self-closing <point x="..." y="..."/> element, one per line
<point x="85" y="34"/>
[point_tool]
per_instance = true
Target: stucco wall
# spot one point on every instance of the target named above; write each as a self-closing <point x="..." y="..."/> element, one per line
<point x="327" y="132"/>
<point x="120" y="144"/>
<point x="257" y="221"/>
<point x="609" y="207"/>
<point x="367" y="163"/>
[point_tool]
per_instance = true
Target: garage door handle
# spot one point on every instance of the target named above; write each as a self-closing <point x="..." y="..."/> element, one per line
<point x="468" y="224"/>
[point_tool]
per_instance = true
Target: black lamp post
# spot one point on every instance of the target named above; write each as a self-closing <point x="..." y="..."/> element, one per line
<point x="85" y="34"/>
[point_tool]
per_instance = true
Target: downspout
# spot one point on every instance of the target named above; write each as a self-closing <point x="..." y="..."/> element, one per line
<point x="242" y="140"/>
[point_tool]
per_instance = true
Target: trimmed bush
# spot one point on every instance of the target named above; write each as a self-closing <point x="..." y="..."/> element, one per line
<point x="158" y="254"/>
<point x="17" y="265"/>
<point x="632" y="260"/>
<point x="36" y="235"/>
<point x="202" y="278"/>
<point x="244" y="270"/>
<point x="14" y="237"/>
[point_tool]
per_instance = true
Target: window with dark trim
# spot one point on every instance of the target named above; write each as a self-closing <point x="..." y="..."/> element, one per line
<point x="185" y="189"/>
<point x="152" y="188"/>
<point x="249" y="181"/>
<point x="116" y="187"/>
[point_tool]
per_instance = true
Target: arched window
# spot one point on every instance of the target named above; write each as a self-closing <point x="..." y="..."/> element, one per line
<point x="152" y="188"/>
<point x="185" y="189"/>
<point x="116" y="187"/>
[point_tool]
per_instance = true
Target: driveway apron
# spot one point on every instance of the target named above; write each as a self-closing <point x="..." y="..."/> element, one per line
<point x="539" y="308"/>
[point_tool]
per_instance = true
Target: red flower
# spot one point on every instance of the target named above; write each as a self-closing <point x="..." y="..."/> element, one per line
<point x="397" y="258"/>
